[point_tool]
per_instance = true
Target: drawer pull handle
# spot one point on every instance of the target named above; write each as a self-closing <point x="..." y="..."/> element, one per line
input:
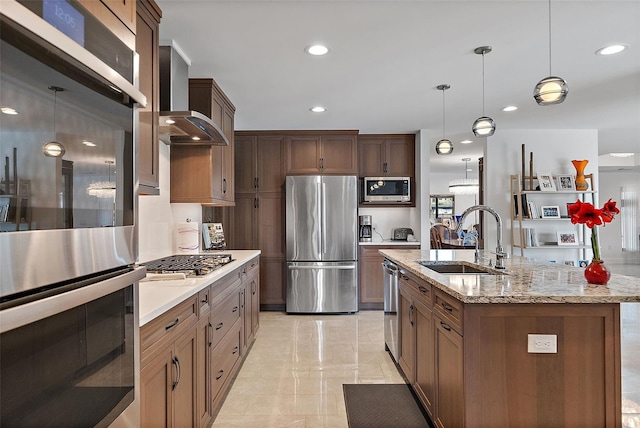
<point x="235" y="309"/>
<point x="173" y="324"/>
<point x="220" y="375"/>
<point x="405" y="277"/>
<point x="447" y="307"/>
<point x="423" y="289"/>
<point x="219" y="326"/>
<point x="205" y="300"/>
<point x="445" y="326"/>
<point x="410" y="314"/>
<point x="176" y="363"/>
<point x="235" y="350"/>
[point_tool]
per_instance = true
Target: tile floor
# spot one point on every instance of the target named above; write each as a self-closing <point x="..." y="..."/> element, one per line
<point x="294" y="373"/>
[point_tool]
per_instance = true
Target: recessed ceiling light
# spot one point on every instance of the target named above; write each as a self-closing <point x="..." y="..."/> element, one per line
<point x="317" y="50"/>
<point x="611" y="50"/>
<point x="170" y="121"/>
<point x="89" y="143"/>
<point x="621" y="155"/>
<point x="510" y="108"/>
<point x="466" y="142"/>
<point x="8" y="110"/>
<point x="195" y="138"/>
<point x="318" y="109"/>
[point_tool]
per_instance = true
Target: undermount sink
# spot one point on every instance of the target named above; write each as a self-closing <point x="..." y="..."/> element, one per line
<point x="455" y="268"/>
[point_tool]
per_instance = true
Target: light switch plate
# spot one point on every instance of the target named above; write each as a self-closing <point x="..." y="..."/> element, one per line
<point x="542" y="344"/>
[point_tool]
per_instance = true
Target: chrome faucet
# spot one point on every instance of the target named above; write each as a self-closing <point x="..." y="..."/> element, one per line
<point x="500" y="253"/>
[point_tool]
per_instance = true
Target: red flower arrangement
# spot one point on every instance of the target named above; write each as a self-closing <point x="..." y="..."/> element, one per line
<point x="585" y="213"/>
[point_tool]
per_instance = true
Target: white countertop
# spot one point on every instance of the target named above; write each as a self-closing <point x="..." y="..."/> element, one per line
<point x="390" y="242"/>
<point x="523" y="280"/>
<point x="156" y="297"/>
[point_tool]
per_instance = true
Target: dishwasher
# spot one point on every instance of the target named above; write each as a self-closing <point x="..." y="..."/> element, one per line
<point x="391" y="322"/>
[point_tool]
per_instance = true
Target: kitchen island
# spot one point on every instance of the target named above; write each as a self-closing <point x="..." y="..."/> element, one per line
<point x="531" y="345"/>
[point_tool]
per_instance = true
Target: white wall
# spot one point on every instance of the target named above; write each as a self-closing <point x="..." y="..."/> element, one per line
<point x="553" y="151"/>
<point x="440" y="185"/>
<point x="157" y="216"/>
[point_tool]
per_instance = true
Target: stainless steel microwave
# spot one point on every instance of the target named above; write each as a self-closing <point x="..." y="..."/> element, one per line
<point x="386" y="189"/>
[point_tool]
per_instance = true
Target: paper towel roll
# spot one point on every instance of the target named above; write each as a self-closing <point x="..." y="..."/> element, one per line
<point x="188" y="237"/>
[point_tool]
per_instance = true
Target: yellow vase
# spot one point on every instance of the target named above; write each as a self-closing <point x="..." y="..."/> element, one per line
<point x="581" y="182"/>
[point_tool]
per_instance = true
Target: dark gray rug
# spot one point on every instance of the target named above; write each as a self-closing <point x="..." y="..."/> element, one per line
<point x="382" y="406"/>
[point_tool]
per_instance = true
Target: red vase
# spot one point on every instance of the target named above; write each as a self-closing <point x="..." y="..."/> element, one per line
<point x="597" y="273"/>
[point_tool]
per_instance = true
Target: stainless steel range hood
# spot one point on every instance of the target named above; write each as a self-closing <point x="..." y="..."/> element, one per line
<point x="178" y="124"/>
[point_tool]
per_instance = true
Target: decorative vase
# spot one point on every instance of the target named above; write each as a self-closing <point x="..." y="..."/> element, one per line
<point x="581" y="182"/>
<point x="597" y="272"/>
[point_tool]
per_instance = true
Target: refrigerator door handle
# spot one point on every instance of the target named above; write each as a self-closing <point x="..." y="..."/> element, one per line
<point x="324" y="217"/>
<point x="319" y="194"/>
<point x="350" y="267"/>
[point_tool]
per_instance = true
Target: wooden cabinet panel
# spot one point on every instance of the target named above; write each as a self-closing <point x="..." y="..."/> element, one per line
<point x="203" y="371"/>
<point x="406" y="351"/>
<point x="125" y="10"/>
<point x="244" y="222"/>
<point x="391" y="155"/>
<point x="303" y="155"/>
<point x="245" y="159"/>
<point x="449" y="376"/>
<point x="339" y="154"/>
<point x="424" y="363"/>
<point x="400" y="156"/>
<point x="184" y="394"/>
<point x="270" y="163"/>
<point x="147" y="41"/>
<point x="271" y="224"/>
<point x="272" y="282"/>
<point x="371" y="155"/>
<point x="155" y="393"/>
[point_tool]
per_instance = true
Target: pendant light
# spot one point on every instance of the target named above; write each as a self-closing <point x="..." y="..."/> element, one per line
<point x="552" y="89"/>
<point x="466" y="186"/>
<point x="103" y="189"/>
<point x="483" y="126"/>
<point x="444" y="146"/>
<point x="53" y="148"/>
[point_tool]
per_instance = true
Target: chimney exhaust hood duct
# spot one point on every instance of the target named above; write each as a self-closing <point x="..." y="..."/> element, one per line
<point x="179" y="125"/>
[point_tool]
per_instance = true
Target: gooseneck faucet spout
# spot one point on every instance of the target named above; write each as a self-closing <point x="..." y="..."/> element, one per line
<point x="500" y="254"/>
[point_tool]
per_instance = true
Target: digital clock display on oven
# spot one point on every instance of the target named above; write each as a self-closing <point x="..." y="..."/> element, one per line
<point x="65" y="18"/>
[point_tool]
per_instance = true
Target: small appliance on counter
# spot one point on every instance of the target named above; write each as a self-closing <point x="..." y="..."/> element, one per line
<point x="401" y="233"/>
<point x="365" y="233"/>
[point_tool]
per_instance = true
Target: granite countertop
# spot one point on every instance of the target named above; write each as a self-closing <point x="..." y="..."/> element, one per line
<point x="523" y="280"/>
<point x="390" y="242"/>
<point x="156" y="297"/>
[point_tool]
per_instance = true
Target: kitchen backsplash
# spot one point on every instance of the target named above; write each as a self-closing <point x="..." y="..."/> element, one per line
<point x="387" y="219"/>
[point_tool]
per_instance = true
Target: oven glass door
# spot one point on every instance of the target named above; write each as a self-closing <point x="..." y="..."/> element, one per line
<point x="75" y="368"/>
<point x="66" y="141"/>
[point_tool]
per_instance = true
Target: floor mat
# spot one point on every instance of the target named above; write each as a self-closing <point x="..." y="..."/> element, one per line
<point x="383" y="406"/>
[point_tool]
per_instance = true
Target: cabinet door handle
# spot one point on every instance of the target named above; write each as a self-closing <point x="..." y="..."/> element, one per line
<point x="210" y="334"/>
<point x="410" y="314"/>
<point x="384" y="167"/>
<point x="235" y="350"/>
<point x="235" y="309"/>
<point x="176" y="363"/>
<point x="173" y="324"/>
<point x="255" y="202"/>
<point x="445" y="325"/>
<point x="253" y="287"/>
<point x="219" y="326"/>
<point x="447" y="307"/>
<point x="224" y="185"/>
<point x="321" y="163"/>
<point x="220" y="375"/>
<point x="423" y="289"/>
<point x="255" y="183"/>
<point x="205" y="300"/>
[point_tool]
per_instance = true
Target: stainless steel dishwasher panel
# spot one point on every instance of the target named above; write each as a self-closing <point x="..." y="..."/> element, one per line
<point x="391" y="322"/>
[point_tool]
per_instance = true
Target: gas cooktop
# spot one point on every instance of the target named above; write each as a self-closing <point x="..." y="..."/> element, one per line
<point x="189" y="264"/>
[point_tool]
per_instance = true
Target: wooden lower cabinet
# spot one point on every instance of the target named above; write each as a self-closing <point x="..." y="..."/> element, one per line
<point x="168" y="394"/>
<point x="371" y="279"/>
<point x="470" y="367"/>
<point x="188" y="365"/>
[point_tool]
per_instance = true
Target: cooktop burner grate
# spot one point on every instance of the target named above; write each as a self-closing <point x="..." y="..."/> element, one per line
<point x="192" y="265"/>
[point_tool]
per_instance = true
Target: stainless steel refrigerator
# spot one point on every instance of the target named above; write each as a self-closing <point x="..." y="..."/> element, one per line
<point x="321" y="242"/>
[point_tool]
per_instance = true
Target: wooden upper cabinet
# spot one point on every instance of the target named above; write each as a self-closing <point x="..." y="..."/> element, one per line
<point x="332" y="153"/>
<point x="205" y="174"/>
<point x="245" y="160"/>
<point x="391" y="155"/>
<point x="147" y="42"/>
<point x="125" y="10"/>
<point x="259" y="163"/>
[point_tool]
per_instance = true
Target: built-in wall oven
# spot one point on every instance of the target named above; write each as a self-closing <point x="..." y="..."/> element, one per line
<point x="68" y="241"/>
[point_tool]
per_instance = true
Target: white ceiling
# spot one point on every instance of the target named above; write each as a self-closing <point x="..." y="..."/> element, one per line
<point x="387" y="57"/>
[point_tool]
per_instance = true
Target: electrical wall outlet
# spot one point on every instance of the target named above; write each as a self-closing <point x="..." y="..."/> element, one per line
<point x="542" y="344"/>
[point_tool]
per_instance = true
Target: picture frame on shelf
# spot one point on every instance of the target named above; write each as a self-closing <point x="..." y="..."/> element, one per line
<point x="546" y="182"/>
<point x="566" y="182"/>
<point x="549" y="211"/>
<point x="583" y="263"/>
<point x="567" y="238"/>
<point x="570" y="262"/>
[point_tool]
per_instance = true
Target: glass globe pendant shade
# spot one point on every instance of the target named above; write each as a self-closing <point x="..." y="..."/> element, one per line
<point x="483" y="127"/>
<point x="444" y="147"/>
<point x="550" y="90"/>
